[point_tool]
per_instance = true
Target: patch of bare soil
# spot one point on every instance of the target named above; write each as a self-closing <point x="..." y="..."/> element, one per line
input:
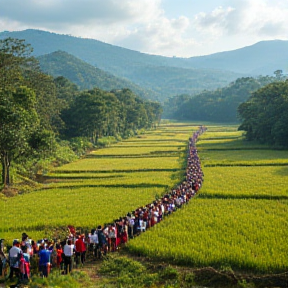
<point x="9" y="191"/>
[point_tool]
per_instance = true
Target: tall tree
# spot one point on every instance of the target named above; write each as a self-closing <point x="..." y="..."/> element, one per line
<point x="15" y="57"/>
<point x="18" y="122"/>
<point x="265" y="114"/>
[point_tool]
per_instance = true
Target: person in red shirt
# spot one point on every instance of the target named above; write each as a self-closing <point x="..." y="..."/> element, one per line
<point x="59" y="255"/>
<point x="80" y="249"/>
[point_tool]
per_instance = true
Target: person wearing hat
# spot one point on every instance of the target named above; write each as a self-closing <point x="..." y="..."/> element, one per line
<point x="15" y="255"/>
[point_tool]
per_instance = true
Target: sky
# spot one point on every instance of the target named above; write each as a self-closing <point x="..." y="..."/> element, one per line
<point x="182" y="28"/>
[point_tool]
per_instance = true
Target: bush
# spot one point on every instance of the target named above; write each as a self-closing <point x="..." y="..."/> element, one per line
<point x="117" y="266"/>
<point x="106" y="141"/>
<point x="74" y="280"/>
<point x="169" y="273"/>
<point x="80" y="145"/>
<point x="64" y="153"/>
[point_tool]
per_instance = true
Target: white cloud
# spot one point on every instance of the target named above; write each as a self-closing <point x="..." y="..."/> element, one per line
<point x="142" y="25"/>
<point x="256" y="18"/>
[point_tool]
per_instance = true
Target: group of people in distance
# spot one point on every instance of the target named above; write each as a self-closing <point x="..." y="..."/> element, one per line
<point x="109" y="237"/>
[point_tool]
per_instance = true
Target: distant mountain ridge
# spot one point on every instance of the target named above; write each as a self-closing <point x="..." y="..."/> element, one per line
<point x="264" y="58"/>
<point x="84" y="75"/>
<point x="165" y="76"/>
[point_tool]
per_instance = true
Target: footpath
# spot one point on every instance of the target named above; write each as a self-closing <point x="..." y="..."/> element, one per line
<point x="108" y="238"/>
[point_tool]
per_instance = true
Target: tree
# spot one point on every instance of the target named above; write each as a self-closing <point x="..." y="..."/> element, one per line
<point x="264" y="116"/>
<point x="86" y="116"/>
<point x="18" y="122"/>
<point x="14" y="59"/>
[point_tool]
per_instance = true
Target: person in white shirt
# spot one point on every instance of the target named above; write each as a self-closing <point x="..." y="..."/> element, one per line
<point x="95" y="243"/>
<point x="68" y="252"/>
<point x="15" y="254"/>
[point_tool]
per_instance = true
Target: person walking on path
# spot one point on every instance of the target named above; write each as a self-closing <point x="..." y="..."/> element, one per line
<point x="15" y="255"/>
<point x="68" y="252"/>
<point x="44" y="261"/>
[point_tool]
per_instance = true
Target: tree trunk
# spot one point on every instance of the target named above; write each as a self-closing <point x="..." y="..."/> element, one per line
<point x="5" y="169"/>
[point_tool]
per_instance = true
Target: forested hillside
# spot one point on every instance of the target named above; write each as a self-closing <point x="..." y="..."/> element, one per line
<point x="48" y="120"/>
<point x="265" y="115"/>
<point x="261" y="58"/>
<point x="144" y="70"/>
<point x="86" y="76"/>
<point x="217" y="105"/>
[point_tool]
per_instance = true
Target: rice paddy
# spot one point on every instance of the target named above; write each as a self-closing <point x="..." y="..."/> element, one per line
<point x="106" y="184"/>
<point x="238" y="220"/>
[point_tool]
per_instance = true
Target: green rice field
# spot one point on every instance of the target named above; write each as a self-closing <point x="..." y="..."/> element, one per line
<point x="238" y="220"/>
<point x="103" y="186"/>
<point x="240" y="217"/>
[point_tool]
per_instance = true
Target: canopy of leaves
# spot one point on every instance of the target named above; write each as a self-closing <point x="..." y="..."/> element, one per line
<point x="96" y="113"/>
<point x="265" y="115"/>
<point x="86" y="76"/>
<point x="216" y="106"/>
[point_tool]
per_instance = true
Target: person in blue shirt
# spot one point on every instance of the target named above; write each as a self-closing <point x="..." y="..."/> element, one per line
<point x="44" y="261"/>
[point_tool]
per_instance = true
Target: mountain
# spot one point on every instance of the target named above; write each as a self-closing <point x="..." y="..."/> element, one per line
<point x="166" y="76"/>
<point x="151" y="72"/>
<point x="86" y="76"/>
<point x="264" y="58"/>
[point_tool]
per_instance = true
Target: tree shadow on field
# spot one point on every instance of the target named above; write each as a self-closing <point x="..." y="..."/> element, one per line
<point x="282" y="171"/>
<point x="116" y="170"/>
<point x="163" y="154"/>
<point x="68" y="177"/>
<point x="139" y="185"/>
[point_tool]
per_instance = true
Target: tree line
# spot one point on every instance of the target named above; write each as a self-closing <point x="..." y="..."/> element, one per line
<point x="259" y="104"/>
<point x="264" y="115"/>
<point x="42" y="116"/>
<point x="218" y="105"/>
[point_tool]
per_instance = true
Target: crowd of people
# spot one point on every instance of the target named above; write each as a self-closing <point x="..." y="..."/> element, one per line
<point x="108" y="238"/>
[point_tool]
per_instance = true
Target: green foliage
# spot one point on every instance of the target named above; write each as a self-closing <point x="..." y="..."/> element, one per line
<point x="118" y="178"/>
<point x="32" y="115"/>
<point x="265" y="115"/>
<point x="169" y="273"/>
<point x="19" y="120"/>
<point x="117" y="266"/>
<point x="74" y="280"/>
<point x="96" y="113"/>
<point x="64" y="154"/>
<point x="237" y="221"/>
<point x="80" y="145"/>
<point x="86" y="76"/>
<point x="158" y="76"/>
<point x="216" y="106"/>
<point x="106" y="141"/>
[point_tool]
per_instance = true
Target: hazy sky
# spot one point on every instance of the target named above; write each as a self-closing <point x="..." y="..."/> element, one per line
<point x="181" y="28"/>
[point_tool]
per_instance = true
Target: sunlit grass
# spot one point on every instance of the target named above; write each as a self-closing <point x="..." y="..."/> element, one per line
<point x="244" y="157"/>
<point x="101" y="187"/>
<point x="240" y="217"/>
<point x="131" y="150"/>
<point x="256" y="182"/>
<point x="119" y="164"/>
<point x="244" y="234"/>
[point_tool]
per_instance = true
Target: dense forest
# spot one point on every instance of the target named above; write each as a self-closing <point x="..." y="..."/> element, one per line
<point x="164" y="76"/>
<point x="86" y="76"/>
<point x="219" y="105"/>
<point x="45" y="119"/>
<point x="265" y="115"/>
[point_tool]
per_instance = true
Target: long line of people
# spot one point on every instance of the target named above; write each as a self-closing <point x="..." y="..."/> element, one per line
<point x="108" y="238"/>
<point x="112" y="235"/>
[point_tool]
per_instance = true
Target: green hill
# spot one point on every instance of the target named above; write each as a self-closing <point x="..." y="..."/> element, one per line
<point x="262" y="58"/>
<point x="86" y="76"/>
<point x="162" y="74"/>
